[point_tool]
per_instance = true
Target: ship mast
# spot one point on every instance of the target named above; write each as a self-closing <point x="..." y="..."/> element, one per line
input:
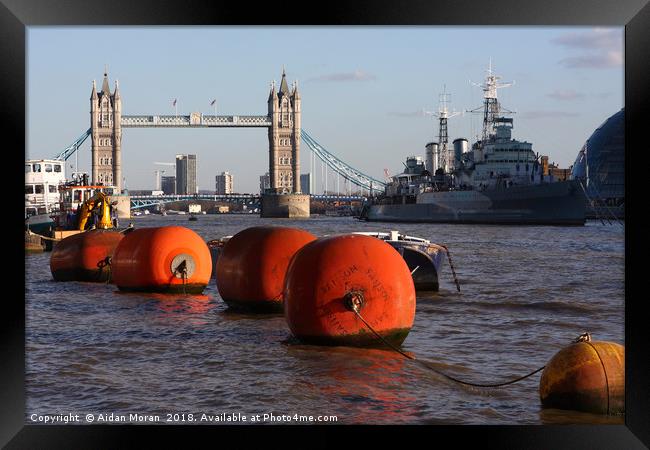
<point x="442" y="159"/>
<point x="491" y="108"/>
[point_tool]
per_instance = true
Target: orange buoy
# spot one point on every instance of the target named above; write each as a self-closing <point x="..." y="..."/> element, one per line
<point x="327" y="274"/>
<point x="85" y="256"/>
<point x="252" y="265"/>
<point x="168" y="259"/>
<point x="586" y="376"/>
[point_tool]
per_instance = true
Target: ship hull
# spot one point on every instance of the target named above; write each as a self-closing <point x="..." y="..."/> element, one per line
<point x="560" y="203"/>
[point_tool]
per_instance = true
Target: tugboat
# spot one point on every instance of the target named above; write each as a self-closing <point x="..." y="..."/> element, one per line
<point x="499" y="180"/>
<point x="82" y="204"/>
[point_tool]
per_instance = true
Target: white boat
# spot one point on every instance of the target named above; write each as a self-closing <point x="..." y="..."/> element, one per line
<point x="42" y="180"/>
<point x="39" y="223"/>
<point x="423" y="258"/>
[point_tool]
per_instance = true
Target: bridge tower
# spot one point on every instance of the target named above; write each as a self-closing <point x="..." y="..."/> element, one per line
<point x="284" y="197"/>
<point x="106" y="134"/>
<point x="284" y="138"/>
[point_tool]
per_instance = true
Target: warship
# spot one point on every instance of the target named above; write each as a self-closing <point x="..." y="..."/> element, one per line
<point x="498" y="180"/>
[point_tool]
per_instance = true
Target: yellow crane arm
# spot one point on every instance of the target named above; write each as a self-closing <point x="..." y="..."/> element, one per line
<point x="99" y="200"/>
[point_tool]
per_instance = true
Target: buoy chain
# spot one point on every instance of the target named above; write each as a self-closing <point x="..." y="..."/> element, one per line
<point x="354" y="301"/>
<point x="103" y="263"/>
<point x="424" y="364"/>
<point x="451" y="264"/>
<point x="602" y="364"/>
<point x="182" y="269"/>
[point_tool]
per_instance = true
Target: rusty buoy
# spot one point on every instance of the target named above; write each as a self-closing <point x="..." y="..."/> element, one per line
<point x="586" y="376"/>
<point x="168" y="259"/>
<point x="85" y="256"/>
<point x="252" y="265"/>
<point x="328" y="275"/>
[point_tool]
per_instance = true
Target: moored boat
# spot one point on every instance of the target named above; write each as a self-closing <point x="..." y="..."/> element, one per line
<point x="424" y="258"/>
<point x="498" y="180"/>
<point x="43" y="178"/>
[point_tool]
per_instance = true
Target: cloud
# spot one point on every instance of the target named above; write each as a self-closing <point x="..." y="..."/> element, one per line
<point x="565" y="95"/>
<point x="357" y="75"/>
<point x="599" y="49"/>
<point x="594" y="61"/>
<point x="596" y="39"/>
<point x="541" y="114"/>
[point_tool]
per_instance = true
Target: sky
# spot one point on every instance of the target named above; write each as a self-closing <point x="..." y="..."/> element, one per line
<point x="364" y="90"/>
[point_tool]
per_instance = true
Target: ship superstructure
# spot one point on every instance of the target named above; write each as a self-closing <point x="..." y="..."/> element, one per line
<point x="497" y="180"/>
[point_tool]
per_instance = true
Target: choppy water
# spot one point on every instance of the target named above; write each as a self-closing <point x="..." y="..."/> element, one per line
<point x="526" y="293"/>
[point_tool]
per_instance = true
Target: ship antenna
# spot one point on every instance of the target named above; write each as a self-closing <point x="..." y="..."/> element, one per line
<point x="491" y="108"/>
<point x="442" y="159"/>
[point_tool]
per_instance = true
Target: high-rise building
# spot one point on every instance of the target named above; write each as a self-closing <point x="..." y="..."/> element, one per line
<point x="224" y="183"/>
<point x="305" y="183"/>
<point x="265" y="182"/>
<point x="186" y="174"/>
<point x="168" y="185"/>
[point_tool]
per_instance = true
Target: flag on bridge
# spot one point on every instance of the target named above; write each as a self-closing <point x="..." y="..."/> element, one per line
<point x="174" y="102"/>
<point x="213" y="102"/>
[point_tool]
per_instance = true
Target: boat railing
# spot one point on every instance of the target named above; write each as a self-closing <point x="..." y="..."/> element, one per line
<point x="393" y="236"/>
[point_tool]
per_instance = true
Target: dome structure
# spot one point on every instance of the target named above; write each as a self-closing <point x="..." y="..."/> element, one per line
<point x="601" y="164"/>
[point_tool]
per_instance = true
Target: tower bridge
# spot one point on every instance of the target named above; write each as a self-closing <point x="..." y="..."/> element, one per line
<point x="284" y="198"/>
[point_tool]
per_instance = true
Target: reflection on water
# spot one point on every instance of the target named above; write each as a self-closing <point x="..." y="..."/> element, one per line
<point x="526" y="292"/>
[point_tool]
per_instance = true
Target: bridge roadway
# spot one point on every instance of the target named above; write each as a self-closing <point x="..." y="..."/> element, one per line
<point x="145" y="201"/>
<point x="194" y="120"/>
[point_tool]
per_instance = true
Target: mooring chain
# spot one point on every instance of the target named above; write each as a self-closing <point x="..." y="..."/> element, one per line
<point x="106" y="262"/>
<point x="451" y="264"/>
<point x="182" y="268"/>
<point x="596" y="209"/>
<point x="354" y="302"/>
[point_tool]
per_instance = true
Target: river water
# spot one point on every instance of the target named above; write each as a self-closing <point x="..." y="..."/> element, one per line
<point x="526" y="293"/>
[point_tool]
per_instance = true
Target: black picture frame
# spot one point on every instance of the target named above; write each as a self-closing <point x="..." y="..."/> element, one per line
<point x="16" y="15"/>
